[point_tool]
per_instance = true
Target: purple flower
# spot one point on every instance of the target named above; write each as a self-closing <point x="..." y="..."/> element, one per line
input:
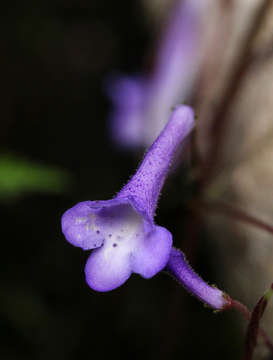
<point x="121" y="231"/>
<point x="142" y="105"/>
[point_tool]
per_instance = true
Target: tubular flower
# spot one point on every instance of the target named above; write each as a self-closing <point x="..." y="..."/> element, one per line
<point x="121" y="231"/>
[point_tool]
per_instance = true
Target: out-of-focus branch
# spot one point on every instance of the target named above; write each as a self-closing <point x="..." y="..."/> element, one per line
<point x="236" y="214"/>
<point x="254" y="325"/>
<point x="234" y="304"/>
<point x="220" y="118"/>
<point x="262" y="55"/>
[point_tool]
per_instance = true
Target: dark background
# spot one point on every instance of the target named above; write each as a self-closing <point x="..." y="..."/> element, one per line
<point x="55" y="57"/>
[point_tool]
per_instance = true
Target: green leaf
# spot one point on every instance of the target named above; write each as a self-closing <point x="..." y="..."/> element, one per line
<point x="19" y="176"/>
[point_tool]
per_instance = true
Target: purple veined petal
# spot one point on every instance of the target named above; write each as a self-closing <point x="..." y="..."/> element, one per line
<point x="181" y="270"/>
<point x="127" y="118"/>
<point x="152" y="253"/>
<point x="146" y="184"/>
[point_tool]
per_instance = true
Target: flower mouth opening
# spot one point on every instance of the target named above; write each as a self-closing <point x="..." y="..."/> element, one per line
<point x="91" y="225"/>
<point x="131" y="245"/>
<point x="119" y="224"/>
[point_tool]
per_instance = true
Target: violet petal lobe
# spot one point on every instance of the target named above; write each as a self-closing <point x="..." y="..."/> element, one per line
<point x="107" y="269"/>
<point x="152" y="252"/>
<point x="79" y="228"/>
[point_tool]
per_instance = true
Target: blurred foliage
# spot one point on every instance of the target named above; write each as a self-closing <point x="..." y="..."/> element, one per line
<point x="19" y="176"/>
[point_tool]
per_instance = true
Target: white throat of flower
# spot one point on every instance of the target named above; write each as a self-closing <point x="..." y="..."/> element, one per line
<point x="121" y="228"/>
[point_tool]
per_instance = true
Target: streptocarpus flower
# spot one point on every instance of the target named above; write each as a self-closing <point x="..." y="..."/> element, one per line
<point x="121" y="231"/>
<point x="142" y="105"/>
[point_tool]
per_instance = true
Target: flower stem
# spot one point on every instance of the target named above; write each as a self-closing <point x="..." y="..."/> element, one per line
<point x="234" y="304"/>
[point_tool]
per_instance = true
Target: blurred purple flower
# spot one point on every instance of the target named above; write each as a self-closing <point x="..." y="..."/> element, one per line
<point x="143" y="105"/>
<point x="128" y="95"/>
<point x="121" y="231"/>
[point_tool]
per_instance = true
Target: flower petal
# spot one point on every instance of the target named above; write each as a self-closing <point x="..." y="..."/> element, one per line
<point x="79" y="228"/>
<point x="152" y="254"/>
<point x="107" y="268"/>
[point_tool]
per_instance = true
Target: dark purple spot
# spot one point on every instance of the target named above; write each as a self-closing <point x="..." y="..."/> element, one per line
<point x="115" y="245"/>
<point x="97" y="231"/>
<point x="110" y="235"/>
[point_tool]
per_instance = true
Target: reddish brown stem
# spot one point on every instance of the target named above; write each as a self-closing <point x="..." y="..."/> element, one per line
<point x="234" y="304"/>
